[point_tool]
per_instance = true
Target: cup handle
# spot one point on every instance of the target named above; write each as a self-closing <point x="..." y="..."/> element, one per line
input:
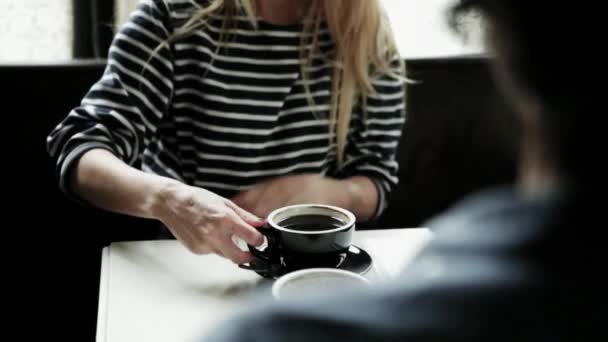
<point x="267" y="262"/>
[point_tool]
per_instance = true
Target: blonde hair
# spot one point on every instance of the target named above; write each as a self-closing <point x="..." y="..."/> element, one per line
<point x="365" y="48"/>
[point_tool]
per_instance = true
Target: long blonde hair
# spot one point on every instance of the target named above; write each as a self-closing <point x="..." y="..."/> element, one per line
<point x="365" y="48"/>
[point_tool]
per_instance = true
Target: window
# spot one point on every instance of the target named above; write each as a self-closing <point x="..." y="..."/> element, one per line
<point x="421" y="29"/>
<point x="123" y="10"/>
<point x="35" y="30"/>
<point x="42" y="30"/>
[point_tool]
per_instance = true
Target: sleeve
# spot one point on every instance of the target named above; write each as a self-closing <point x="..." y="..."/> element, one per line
<point x="122" y="110"/>
<point x="376" y="127"/>
<point x="388" y="315"/>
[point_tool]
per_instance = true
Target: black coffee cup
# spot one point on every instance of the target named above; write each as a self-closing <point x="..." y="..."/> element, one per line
<point x="303" y="236"/>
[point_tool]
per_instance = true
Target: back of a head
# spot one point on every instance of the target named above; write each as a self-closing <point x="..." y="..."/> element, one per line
<point x="550" y="51"/>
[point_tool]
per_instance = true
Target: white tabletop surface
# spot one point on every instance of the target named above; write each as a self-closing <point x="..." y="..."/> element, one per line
<point x="159" y="291"/>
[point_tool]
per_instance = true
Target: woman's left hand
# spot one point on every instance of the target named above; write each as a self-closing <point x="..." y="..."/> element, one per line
<point x="266" y="196"/>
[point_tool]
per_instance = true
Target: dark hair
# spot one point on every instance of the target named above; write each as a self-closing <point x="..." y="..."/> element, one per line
<point x="549" y="51"/>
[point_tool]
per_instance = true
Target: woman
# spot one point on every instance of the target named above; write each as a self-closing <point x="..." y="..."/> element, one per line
<point x="515" y="263"/>
<point x="232" y="108"/>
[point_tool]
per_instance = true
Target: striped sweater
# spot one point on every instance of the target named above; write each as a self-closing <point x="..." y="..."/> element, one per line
<point x="224" y="114"/>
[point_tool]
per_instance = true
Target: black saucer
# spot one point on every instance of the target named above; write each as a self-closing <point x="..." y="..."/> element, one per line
<point x="354" y="260"/>
<point x="357" y="260"/>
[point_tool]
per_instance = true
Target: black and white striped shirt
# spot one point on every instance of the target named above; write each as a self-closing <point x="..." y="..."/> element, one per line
<point x="224" y="114"/>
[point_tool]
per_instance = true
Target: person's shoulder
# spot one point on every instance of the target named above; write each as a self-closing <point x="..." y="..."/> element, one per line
<point x="181" y="11"/>
<point x="185" y="4"/>
<point x="495" y="217"/>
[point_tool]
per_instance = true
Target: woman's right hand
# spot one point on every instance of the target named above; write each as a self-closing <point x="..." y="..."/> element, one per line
<point x="206" y="223"/>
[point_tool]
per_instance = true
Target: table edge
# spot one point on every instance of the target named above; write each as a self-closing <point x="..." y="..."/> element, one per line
<point x="104" y="283"/>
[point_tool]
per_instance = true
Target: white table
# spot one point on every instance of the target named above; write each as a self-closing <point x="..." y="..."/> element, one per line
<point x="159" y="291"/>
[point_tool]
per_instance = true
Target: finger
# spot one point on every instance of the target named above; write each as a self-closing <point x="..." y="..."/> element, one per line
<point x="262" y="211"/>
<point x="246" y="216"/>
<point x="230" y="251"/>
<point x="189" y="238"/>
<point x="245" y="231"/>
<point x="198" y="247"/>
<point x="202" y="248"/>
<point x="217" y="251"/>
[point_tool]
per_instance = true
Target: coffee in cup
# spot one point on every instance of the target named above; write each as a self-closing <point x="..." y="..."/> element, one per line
<point x="303" y="236"/>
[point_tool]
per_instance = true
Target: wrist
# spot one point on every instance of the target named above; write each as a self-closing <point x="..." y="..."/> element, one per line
<point x="359" y="196"/>
<point x="349" y="194"/>
<point x="163" y="193"/>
